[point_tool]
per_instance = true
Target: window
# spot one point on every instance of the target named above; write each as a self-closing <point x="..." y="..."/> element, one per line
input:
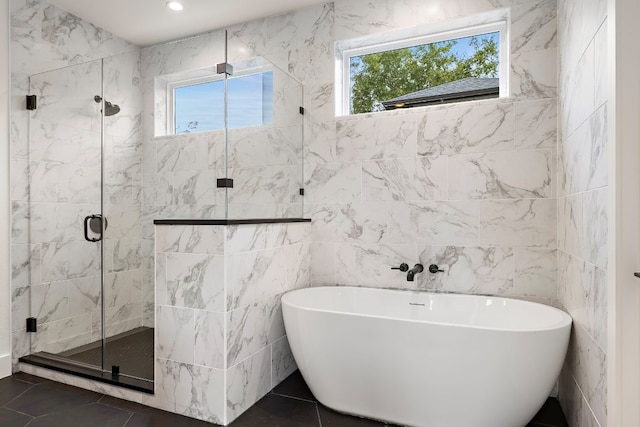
<point x="451" y="66"/>
<point x="197" y="105"/>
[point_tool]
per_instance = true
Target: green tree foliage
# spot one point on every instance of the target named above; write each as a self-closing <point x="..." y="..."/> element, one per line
<point x="381" y="76"/>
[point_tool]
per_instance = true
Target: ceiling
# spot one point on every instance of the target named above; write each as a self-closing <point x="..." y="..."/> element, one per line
<point x="147" y="22"/>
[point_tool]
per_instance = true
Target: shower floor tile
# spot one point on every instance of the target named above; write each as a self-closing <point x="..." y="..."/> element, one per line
<point x="132" y="351"/>
<point x="36" y="402"/>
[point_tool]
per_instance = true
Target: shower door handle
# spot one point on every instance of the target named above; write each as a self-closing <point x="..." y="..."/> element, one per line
<point x="87" y="220"/>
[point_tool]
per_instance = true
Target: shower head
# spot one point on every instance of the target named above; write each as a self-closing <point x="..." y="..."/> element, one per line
<point x="109" y="108"/>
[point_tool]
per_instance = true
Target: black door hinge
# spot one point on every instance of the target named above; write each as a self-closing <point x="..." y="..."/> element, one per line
<point x="225" y="183"/>
<point x="302" y="191"/>
<point x="302" y="110"/>
<point x="32" y="324"/>
<point x="32" y="102"/>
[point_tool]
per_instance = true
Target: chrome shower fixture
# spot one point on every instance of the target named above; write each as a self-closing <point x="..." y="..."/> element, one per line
<point x="109" y="108"/>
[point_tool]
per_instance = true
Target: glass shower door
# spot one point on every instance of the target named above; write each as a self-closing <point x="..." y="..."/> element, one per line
<point x="65" y="213"/>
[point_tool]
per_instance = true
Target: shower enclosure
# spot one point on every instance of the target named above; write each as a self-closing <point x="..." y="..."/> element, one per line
<point x="91" y="206"/>
<point x="87" y="300"/>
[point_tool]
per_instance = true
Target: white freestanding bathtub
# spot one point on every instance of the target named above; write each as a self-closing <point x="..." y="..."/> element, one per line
<point x="424" y="359"/>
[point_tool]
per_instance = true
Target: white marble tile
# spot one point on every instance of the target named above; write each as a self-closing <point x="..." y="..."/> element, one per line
<point x="195" y="281"/>
<point x="298" y="267"/>
<point x="589" y="366"/>
<point x="58" y="37"/>
<point x="534" y="26"/>
<point x="577" y="100"/>
<point x="378" y="137"/>
<point x="68" y="260"/>
<point x="49" y="302"/>
<point x="190" y="239"/>
<point x="282" y="362"/>
<point x="118" y="289"/>
<point x="600" y="306"/>
<point x="265" y="185"/>
<point x="575" y="289"/>
<point x="354" y="18"/>
<point x="25" y="261"/>
<point x="20" y="308"/>
<point x="192" y="188"/>
<point x="126" y="254"/>
<point x="503" y="175"/>
<point x="601" y="71"/>
<point x="595" y="227"/>
<point x="370" y="264"/>
<point x="19" y="178"/>
<point x="20" y="217"/>
<point x="535" y="272"/>
<point x="254" y="237"/>
<point x="312" y="64"/>
<point x="264" y="146"/>
<point x="524" y="222"/>
<point x="583" y="169"/>
<point x="62" y="335"/>
<point x="534" y="74"/>
<point x="422" y="178"/>
<point x="194" y="391"/>
<point x="253" y="276"/>
<point x="333" y="182"/>
<point x="247" y="382"/>
<point x="59" y="143"/>
<point x="209" y="346"/>
<point x="175" y="333"/>
<point x="371" y="222"/>
<point x="56" y="182"/>
<point x="536" y="124"/>
<point x="484" y="270"/>
<point x="323" y="263"/>
<point x="446" y="222"/>
<point x="59" y="222"/>
<point x="182" y="153"/>
<point x="320" y="142"/>
<point x="249" y="329"/>
<point x="488" y="126"/>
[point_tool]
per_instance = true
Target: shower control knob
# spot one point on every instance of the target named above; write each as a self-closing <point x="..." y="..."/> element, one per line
<point x="433" y="269"/>
<point x="403" y="267"/>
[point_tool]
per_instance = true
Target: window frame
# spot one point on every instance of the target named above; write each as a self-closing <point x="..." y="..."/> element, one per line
<point x="399" y="42"/>
<point x="209" y="78"/>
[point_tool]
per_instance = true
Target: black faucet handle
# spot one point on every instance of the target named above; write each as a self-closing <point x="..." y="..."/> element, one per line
<point x="403" y="267"/>
<point x="433" y="269"/>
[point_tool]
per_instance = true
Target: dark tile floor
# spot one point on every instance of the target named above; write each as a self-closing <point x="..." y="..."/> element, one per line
<point x="30" y="401"/>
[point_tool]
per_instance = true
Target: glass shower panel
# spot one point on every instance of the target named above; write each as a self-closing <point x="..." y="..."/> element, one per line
<point x="65" y="206"/>
<point x="128" y="303"/>
<point x="264" y="137"/>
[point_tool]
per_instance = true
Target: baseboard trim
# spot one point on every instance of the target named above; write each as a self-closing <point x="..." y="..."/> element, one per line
<point x="5" y="366"/>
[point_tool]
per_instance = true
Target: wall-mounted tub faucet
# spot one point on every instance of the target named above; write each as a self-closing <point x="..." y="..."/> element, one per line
<point x="418" y="268"/>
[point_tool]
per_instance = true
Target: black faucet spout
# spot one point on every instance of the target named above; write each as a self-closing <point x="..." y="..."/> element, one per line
<point x="418" y="268"/>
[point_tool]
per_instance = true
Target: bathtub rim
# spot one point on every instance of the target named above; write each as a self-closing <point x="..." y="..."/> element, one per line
<point x="566" y="321"/>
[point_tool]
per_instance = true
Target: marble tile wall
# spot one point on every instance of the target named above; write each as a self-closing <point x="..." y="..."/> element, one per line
<point x="219" y="328"/>
<point x="582" y="207"/>
<point x="55" y="182"/>
<point x="180" y="171"/>
<point x="471" y="187"/>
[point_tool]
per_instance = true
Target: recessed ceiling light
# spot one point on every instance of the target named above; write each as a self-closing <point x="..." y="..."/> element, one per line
<point x="175" y="5"/>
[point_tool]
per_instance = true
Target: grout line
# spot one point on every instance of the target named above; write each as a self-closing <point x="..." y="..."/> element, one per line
<point x="318" y="413"/>
<point x="292" y="397"/>
<point x="128" y="419"/>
